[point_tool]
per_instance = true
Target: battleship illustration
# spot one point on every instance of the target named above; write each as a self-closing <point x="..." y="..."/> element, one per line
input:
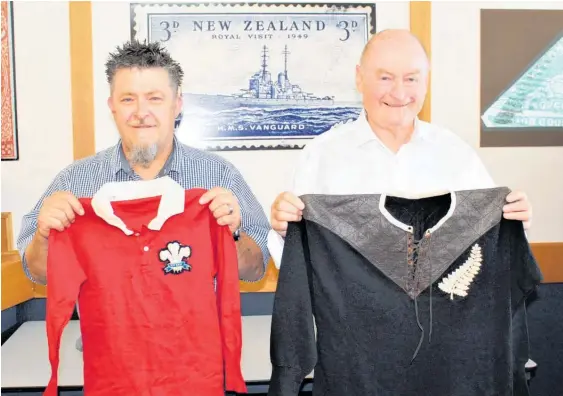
<point x="263" y="92"/>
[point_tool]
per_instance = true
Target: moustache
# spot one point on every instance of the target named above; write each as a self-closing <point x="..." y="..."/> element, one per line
<point x="140" y="123"/>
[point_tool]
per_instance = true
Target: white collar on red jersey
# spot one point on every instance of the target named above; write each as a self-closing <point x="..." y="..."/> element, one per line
<point x="171" y="203"/>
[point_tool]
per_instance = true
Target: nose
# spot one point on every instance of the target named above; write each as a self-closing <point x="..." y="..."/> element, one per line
<point x="398" y="91"/>
<point x="142" y="109"/>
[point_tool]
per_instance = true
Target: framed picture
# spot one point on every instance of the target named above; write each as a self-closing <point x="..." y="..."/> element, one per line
<point x="260" y="76"/>
<point x="521" y="78"/>
<point x="10" y="150"/>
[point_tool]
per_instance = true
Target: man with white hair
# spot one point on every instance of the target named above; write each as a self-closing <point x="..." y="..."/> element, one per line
<point x="387" y="149"/>
<point x="359" y="275"/>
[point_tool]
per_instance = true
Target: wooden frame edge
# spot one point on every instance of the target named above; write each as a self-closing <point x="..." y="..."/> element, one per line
<point x="549" y="256"/>
<point x="82" y="78"/>
<point x="7" y="232"/>
<point x="16" y="287"/>
<point x="39" y="291"/>
<point x="420" y="26"/>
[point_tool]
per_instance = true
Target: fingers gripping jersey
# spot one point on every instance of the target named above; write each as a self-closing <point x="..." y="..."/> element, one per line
<point x="157" y="283"/>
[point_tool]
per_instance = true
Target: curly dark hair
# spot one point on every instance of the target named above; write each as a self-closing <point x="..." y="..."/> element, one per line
<point x="143" y="55"/>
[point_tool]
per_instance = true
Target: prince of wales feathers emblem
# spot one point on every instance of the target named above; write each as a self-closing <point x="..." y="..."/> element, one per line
<point x="458" y="282"/>
<point x="175" y="255"/>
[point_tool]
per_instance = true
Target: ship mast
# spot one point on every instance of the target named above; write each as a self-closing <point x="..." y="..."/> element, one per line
<point x="285" y="53"/>
<point x="264" y="64"/>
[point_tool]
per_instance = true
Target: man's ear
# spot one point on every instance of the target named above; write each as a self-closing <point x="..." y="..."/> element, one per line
<point x="110" y="104"/>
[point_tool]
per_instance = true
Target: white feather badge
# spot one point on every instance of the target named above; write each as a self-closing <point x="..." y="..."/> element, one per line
<point x="458" y="282"/>
<point x="174" y="254"/>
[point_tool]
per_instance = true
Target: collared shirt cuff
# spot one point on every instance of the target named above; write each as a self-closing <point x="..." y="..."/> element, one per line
<point x="27" y="273"/>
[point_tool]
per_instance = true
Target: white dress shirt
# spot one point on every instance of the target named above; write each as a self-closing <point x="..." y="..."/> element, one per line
<point x="350" y="159"/>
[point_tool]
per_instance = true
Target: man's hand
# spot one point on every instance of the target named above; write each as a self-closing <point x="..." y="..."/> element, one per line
<point x="518" y="208"/>
<point x="287" y="207"/>
<point x="224" y="206"/>
<point x="58" y="212"/>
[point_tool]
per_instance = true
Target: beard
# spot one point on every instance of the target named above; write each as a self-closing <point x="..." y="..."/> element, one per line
<point x="143" y="155"/>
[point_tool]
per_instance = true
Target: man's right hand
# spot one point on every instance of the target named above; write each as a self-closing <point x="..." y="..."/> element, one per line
<point x="58" y="211"/>
<point x="287" y="207"/>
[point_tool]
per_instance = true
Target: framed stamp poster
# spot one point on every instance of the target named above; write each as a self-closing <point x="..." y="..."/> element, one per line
<point x="9" y="118"/>
<point x="521" y="78"/>
<point x="260" y="76"/>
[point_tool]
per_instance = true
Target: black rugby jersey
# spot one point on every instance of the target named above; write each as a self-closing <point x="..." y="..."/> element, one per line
<point x="410" y="297"/>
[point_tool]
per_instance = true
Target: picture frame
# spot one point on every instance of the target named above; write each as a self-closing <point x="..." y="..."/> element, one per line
<point x="260" y="75"/>
<point x="10" y="147"/>
<point x="521" y="78"/>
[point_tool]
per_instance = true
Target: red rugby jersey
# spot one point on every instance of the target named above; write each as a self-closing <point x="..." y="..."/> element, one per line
<point x="141" y="262"/>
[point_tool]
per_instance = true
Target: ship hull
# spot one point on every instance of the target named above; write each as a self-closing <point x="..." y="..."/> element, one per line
<point x="230" y="102"/>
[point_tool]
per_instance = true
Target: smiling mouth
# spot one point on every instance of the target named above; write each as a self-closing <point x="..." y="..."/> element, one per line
<point x="396" y="105"/>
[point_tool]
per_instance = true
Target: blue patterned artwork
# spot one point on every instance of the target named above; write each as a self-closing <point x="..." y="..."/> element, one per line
<point x="260" y="75"/>
<point x="535" y="99"/>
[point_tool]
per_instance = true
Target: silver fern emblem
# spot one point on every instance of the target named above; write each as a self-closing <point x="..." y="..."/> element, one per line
<point x="458" y="282"/>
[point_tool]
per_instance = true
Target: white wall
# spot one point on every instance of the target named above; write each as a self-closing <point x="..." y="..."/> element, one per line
<point x="42" y="60"/>
<point x="455" y="104"/>
<point x="266" y="171"/>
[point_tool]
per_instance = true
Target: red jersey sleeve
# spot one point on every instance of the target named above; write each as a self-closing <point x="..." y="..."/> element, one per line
<point x="228" y="305"/>
<point x="64" y="277"/>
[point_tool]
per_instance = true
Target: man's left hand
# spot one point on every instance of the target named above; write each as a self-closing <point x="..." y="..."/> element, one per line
<point x="518" y="208"/>
<point x="224" y="206"/>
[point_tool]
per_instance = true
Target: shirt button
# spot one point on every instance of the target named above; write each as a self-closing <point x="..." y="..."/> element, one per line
<point x="146" y="248"/>
<point x="136" y="234"/>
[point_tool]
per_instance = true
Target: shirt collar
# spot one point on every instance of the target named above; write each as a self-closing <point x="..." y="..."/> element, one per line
<point x="364" y="133"/>
<point x="171" y="203"/>
<point x="172" y="164"/>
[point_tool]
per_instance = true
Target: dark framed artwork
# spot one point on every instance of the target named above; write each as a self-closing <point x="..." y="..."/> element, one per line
<point x="10" y="150"/>
<point x="260" y="75"/>
<point x="521" y="78"/>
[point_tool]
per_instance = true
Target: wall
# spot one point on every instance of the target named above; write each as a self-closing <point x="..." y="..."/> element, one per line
<point x="266" y="180"/>
<point x="455" y="104"/>
<point x="42" y="64"/>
